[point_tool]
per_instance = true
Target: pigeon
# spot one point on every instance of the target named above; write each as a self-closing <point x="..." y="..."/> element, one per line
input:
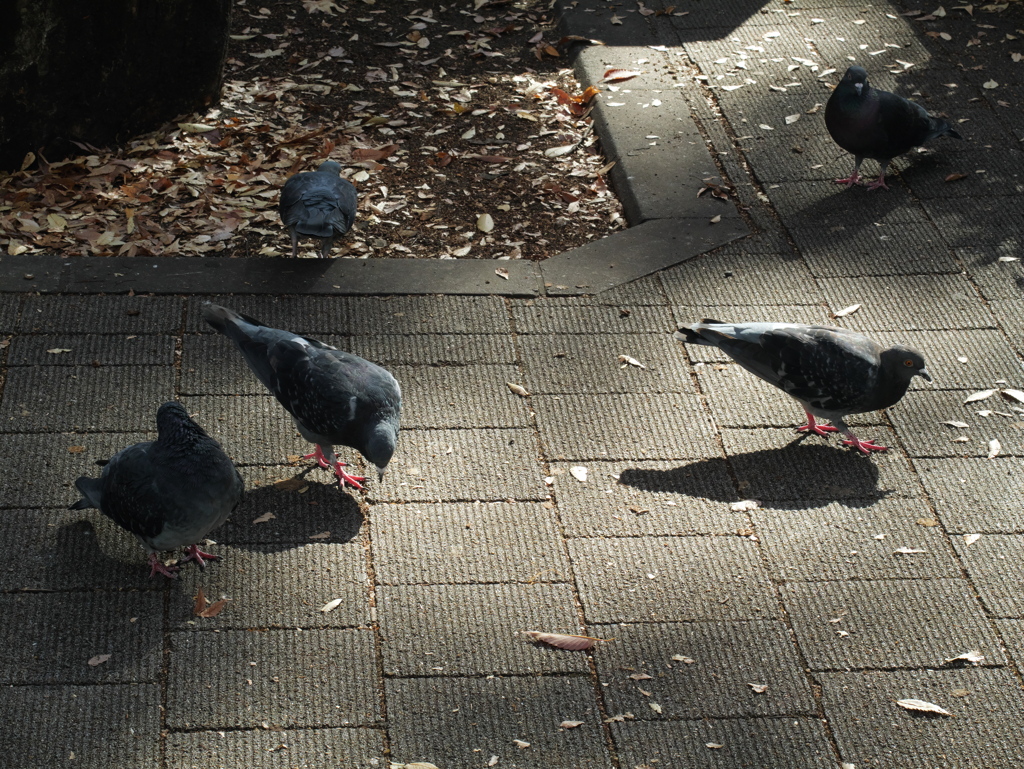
<point x="170" y="492"/>
<point x="877" y="124"/>
<point x="830" y="371"/>
<point x="333" y="396"/>
<point x="318" y="204"/>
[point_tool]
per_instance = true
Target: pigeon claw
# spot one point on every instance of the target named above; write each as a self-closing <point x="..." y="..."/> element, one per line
<point x="813" y="427"/>
<point x="850" y="180"/>
<point x="878" y="183"/>
<point x="318" y="455"/>
<point x="865" y="447"/>
<point x="343" y="477"/>
<point x="156" y="565"/>
<point x="193" y="553"/>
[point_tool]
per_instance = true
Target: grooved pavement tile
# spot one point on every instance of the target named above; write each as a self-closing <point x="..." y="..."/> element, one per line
<point x="806" y="203"/>
<point x="69" y="549"/>
<point x="989" y="172"/>
<point x="48" y="398"/>
<point x="888" y="623"/>
<point x="624" y="499"/>
<point x="48" y="637"/>
<point x="274" y="586"/>
<point x="92" y="350"/>
<point x="974" y="494"/>
<point x="308" y="315"/>
<point x="10" y="308"/>
<point x="782" y="464"/>
<point x="301" y="678"/>
<point x="1010" y="315"/>
<point x="66" y="314"/>
<point x="872" y="730"/>
<point x="41" y="468"/>
<point x="106" y="727"/>
<point x="573" y="316"/>
<point x="727" y="657"/>
<point x="211" y="364"/>
<point x="460" y="396"/>
<point x="701" y="354"/>
<point x="593" y="427"/>
<point x="976" y="221"/>
<point x="253" y="429"/>
<point x="795" y="743"/>
<point x="453" y="543"/>
<point x="996" y="279"/>
<point x="641" y="292"/>
<point x="751" y="278"/>
<point x="694" y="578"/>
<point x="444" y="630"/>
<point x="458" y="723"/>
<point x="440" y="465"/>
<point x="290" y="749"/>
<point x="434" y="350"/>
<point x="893" y="249"/>
<point x="1012" y="631"/>
<point x="919" y="416"/>
<point x="902" y="302"/>
<point x="839" y="541"/>
<point x="562" y="363"/>
<point x="989" y="358"/>
<point x="995" y="565"/>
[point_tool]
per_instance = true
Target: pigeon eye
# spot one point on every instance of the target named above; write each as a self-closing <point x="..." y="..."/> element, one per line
<point x="908" y="363"/>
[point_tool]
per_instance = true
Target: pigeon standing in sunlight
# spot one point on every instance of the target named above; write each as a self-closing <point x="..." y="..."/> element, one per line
<point x="877" y="124"/>
<point x="170" y="492"/>
<point x="832" y="372"/>
<point x="333" y="396"/>
<point x="318" y="204"/>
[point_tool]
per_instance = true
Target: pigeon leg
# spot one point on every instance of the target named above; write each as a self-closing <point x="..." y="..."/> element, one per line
<point x="325" y="247"/>
<point x="320" y="458"/>
<point x="853" y="178"/>
<point x="295" y="244"/>
<point x="156" y="565"/>
<point x="865" y="447"/>
<point x="335" y="464"/>
<point x="813" y="427"/>
<point x="343" y="477"/>
<point x="193" y="553"/>
<point x="880" y="181"/>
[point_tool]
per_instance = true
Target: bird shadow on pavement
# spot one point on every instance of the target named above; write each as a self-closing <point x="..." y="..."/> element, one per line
<point x="95" y="553"/>
<point x="794" y="476"/>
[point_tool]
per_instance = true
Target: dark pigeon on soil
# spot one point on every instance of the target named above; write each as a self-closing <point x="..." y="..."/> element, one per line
<point x="335" y="398"/>
<point x="877" y="124"/>
<point x="170" y="492"/>
<point x="832" y="372"/>
<point x="318" y="204"/>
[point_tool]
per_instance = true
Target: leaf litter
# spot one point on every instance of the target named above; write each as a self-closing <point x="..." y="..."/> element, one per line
<point x="389" y="93"/>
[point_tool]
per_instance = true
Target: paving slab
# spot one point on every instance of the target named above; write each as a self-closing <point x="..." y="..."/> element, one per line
<point x="798" y="743"/>
<point x="594" y="20"/>
<point x="844" y="540"/>
<point x="435" y="350"/>
<point x="1012" y="631"/>
<point x="994" y="566"/>
<point x="893" y="249"/>
<point x="115" y="398"/>
<point x="629" y="499"/>
<point x="91" y="350"/>
<point x="311" y="678"/>
<point x="463" y="465"/>
<point x="252" y="429"/>
<point x="919" y="416"/>
<point x="754" y="279"/>
<point x="50" y="637"/>
<point x="445" y="630"/>
<point x="10" y="309"/>
<point x="420" y="543"/>
<point x="638" y="670"/>
<point x="287" y="749"/>
<point x="96" y="727"/>
<point x="460" y="396"/>
<point x="974" y="494"/>
<point x="694" y="578"/>
<point x="871" y="730"/>
<point x="459" y="723"/>
<point x="570" y="363"/>
<point x="599" y="427"/>
<point x="809" y="203"/>
<point x="277" y="586"/>
<point x="30" y="272"/>
<point x="784" y="464"/>
<point x="995" y="270"/>
<point x="975" y="221"/>
<point x="66" y="314"/>
<point x="580" y="316"/>
<point x="888" y="623"/>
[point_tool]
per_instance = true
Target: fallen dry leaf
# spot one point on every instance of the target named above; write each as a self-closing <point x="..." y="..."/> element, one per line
<point x="627" y="360"/>
<point x="960" y="425"/>
<point x="1012" y="395"/>
<point x="744" y="506"/>
<point x="567" y="642"/>
<point x="579" y="473"/>
<point x="979" y="396"/>
<point x="683" y="658"/>
<point x="570" y="724"/>
<point x="76" y="449"/>
<point x="909" y="551"/>
<point x="99" y="659"/>
<point x="641" y="677"/>
<point x="58" y="350"/>
<point x="847" y="311"/>
<point x="615" y="75"/>
<point x="974" y="656"/>
<point x="994" y="447"/>
<point x="521" y="744"/>
<point x="970" y="539"/>
<point x="922" y="707"/>
<point x="759" y="688"/>
<point x="331" y="605"/>
<point x="502" y="273"/>
<point x="264" y="518"/>
<point x="517" y="389"/>
<point x="956" y="177"/>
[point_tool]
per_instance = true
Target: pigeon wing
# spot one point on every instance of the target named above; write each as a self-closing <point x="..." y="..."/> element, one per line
<point x="130" y="495"/>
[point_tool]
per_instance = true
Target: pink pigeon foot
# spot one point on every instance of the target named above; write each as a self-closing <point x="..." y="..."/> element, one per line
<point x="850" y="180"/>
<point x="878" y="183"/>
<point x="193" y="553"/>
<point x="156" y="565"/>
<point x="320" y="458"/>
<point x="813" y="427"/>
<point x="865" y="447"/>
<point x="343" y="477"/>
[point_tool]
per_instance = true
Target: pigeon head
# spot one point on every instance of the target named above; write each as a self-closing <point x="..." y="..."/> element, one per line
<point x="380" y="445"/>
<point x="332" y="167"/>
<point x="855" y="79"/>
<point x="172" y="418"/>
<point x="904" y="363"/>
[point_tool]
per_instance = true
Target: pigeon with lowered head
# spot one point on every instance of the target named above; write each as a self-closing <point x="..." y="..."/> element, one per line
<point x="318" y="204"/>
<point x="170" y="492"/>
<point x="333" y="396"/>
<point x="832" y="372"/>
<point x="877" y="124"/>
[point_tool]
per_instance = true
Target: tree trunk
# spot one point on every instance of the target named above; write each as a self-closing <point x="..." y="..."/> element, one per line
<point x="99" y="71"/>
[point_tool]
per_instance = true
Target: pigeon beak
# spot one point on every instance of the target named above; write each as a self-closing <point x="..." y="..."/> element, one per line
<point x="925" y="375"/>
<point x="380" y="474"/>
<point x="859" y="88"/>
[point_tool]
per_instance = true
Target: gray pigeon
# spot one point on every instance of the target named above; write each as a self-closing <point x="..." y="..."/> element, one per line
<point x="832" y="372"/>
<point x="877" y="124"/>
<point x="318" y="204"/>
<point x="333" y="396"/>
<point x="170" y="492"/>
